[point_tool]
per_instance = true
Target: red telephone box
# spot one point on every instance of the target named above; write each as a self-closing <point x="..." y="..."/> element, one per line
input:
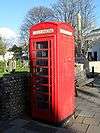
<point x="52" y="68"/>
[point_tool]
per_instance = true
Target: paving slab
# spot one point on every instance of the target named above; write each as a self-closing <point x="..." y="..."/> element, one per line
<point x="91" y="121"/>
<point x="37" y="127"/>
<point x="5" y="125"/>
<point x="79" y="119"/>
<point x="87" y="113"/>
<point x="79" y="128"/>
<point x="19" y="122"/>
<point x="14" y="130"/>
<point x="93" y="129"/>
<point x="97" y="116"/>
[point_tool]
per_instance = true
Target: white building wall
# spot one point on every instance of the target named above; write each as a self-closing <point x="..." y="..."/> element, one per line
<point x="95" y="64"/>
<point x="95" y="48"/>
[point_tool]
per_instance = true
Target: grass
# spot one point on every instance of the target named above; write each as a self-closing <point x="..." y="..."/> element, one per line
<point x="19" y="67"/>
<point x="2" y="68"/>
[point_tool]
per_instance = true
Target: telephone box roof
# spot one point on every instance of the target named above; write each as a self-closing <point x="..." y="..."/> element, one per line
<point x="52" y="23"/>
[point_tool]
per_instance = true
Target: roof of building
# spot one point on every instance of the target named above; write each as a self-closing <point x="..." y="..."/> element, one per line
<point x="95" y="30"/>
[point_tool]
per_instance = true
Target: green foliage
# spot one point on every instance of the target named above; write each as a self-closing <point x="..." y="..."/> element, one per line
<point x="2" y="66"/>
<point x="19" y="67"/>
<point x="2" y="47"/>
<point x="16" y="49"/>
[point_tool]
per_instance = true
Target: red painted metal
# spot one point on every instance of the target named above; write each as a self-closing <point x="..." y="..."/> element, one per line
<point x="52" y="67"/>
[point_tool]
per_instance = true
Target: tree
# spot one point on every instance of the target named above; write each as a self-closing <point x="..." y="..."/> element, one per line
<point x="67" y="11"/>
<point x="2" y="47"/>
<point x="86" y="8"/>
<point x="17" y="50"/>
<point x="35" y="15"/>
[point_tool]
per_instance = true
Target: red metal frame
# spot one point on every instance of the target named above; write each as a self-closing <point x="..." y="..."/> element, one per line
<point x="60" y="70"/>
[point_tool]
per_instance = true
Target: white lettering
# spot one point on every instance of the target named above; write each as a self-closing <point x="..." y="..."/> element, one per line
<point x="45" y="31"/>
<point x="66" y="32"/>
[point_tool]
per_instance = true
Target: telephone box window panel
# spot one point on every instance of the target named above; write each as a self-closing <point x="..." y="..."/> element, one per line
<point x="42" y="53"/>
<point x="41" y="71"/>
<point x="42" y="106"/>
<point x="41" y="88"/>
<point x="51" y="52"/>
<point x="41" y="80"/>
<point x="42" y="45"/>
<point x="42" y="62"/>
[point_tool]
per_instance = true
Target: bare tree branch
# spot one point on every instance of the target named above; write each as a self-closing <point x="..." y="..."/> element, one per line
<point x="35" y="15"/>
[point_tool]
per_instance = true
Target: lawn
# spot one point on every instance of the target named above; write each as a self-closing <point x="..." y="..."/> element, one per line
<point x="19" y="67"/>
<point x="2" y="68"/>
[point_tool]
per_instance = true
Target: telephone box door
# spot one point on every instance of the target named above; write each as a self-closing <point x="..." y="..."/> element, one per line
<point x="42" y="87"/>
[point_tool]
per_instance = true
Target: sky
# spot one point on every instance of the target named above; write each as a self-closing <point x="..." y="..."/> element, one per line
<point x="97" y="12"/>
<point x="12" y="12"/>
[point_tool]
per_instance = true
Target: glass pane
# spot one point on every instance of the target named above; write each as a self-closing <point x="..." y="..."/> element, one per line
<point x="42" y="62"/>
<point x="42" y="53"/>
<point x="41" y="71"/>
<point x="41" y="80"/>
<point x="41" y="105"/>
<point x="42" y="89"/>
<point x="42" y="101"/>
<point x="42" y="45"/>
<point x="42" y="98"/>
